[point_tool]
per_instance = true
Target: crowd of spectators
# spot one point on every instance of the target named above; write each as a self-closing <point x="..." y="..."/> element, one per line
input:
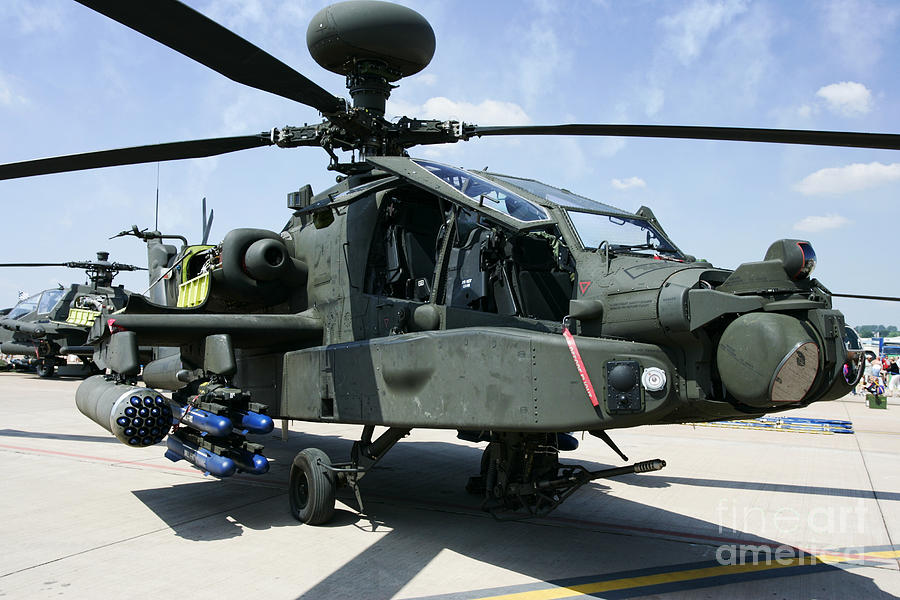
<point x="881" y="376"/>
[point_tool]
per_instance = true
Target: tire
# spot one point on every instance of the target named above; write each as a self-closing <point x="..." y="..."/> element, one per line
<point x="45" y="369"/>
<point x="311" y="487"/>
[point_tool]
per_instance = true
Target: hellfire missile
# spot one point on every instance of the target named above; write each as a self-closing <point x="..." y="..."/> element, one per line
<point x="213" y="424"/>
<point x="255" y="422"/>
<point x="200" y="457"/>
<point x="250" y="462"/>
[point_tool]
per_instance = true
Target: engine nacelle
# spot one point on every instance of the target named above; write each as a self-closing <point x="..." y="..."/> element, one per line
<point x="258" y="267"/>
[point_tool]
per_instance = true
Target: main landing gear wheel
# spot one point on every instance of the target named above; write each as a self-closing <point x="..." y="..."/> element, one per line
<point x="311" y="487"/>
<point x="45" y="369"/>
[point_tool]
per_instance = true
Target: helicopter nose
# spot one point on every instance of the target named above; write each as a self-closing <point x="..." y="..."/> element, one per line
<point x="767" y="358"/>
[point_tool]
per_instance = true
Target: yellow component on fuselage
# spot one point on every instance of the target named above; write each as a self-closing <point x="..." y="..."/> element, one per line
<point x="82" y="316"/>
<point x="194" y="291"/>
<point x="189" y="254"/>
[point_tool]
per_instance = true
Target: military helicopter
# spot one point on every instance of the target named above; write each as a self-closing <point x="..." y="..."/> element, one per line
<point x="418" y="294"/>
<point x="54" y="323"/>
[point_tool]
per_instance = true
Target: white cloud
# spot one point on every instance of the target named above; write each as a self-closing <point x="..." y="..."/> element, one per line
<point x="629" y="183"/>
<point x="8" y="95"/>
<point x="653" y="98"/>
<point x="847" y="98"/>
<point x="489" y="112"/>
<point x="33" y="17"/>
<point x="690" y="29"/>
<point x="546" y="7"/>
<point x="539" y="60"/>
<point x="815" y="224"/>
<point x="424" y="79"/>
<point x="860" y="30"/>
<point x="852" y="178"/>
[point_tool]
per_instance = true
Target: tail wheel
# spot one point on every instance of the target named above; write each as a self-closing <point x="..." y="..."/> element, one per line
<point x="311" y="487"/>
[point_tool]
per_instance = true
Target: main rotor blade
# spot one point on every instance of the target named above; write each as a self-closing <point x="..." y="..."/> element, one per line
<point x="886" y="141"/>
<point x="863" y="297"/>
<point x="185" y="30"/>
<point x="134" y="155"/>
<point x="32" y="264"/>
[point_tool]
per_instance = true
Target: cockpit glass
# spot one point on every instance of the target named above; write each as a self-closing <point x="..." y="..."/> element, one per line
<point x="24" y="307"/>
<point x="620" y="233"/>
<point x="485" y="192"/>
<point x="564" y="198"/>
<point x="49" y="299"/>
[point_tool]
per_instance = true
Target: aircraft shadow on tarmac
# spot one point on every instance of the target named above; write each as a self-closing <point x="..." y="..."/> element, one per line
<point x="16" y="433"/>
<point x="662" y="481"/>
<point x="417" y="508"/>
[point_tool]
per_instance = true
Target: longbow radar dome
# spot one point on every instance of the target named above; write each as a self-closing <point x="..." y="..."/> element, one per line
<point x="344" y="34"/>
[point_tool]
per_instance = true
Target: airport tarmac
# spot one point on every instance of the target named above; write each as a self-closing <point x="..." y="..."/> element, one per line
<point x="737" y="513"/>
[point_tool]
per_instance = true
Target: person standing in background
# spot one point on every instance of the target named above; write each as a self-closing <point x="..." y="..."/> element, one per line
<point x="893" y="371"/>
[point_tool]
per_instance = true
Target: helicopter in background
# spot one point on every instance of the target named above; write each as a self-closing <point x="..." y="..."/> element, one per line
<point x="419" y="294"/>
<point x="51" y="325"/>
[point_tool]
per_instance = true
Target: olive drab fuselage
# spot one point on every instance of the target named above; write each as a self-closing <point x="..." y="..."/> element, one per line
<point x="408" y="303"/>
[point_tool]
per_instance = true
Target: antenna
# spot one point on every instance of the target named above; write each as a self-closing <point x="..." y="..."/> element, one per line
<point x="206" y="225"/>
<point x="156" y="218"/>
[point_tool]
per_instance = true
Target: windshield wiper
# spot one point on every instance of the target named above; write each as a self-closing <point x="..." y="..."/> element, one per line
<point x="626" y="247"/>
<point x="631" y="247"/>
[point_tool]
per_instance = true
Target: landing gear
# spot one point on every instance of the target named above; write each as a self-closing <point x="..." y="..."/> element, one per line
<point x="45" y="369"/>
<point x="314" y="479"/>
<point x="92" y="367"/>
<point x="311" y="487"/>
<point x="521" y="475"/>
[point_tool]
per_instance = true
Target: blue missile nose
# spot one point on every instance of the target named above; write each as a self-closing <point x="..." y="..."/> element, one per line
<point x="260" y="464"/>
<point x="123" y="421"/>
<point x="257" y="423"/>
<point x="135" y="401"/>
<point x="130" y="411"/>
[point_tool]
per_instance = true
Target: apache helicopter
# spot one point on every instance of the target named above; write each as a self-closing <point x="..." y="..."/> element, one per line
<point x="418" y="294"/>
<point x="55" y="323"/>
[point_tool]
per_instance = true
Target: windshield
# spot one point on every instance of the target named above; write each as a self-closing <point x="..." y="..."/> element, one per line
<point x="24" y="307"/>
<point x="486" y="193"/>
<point x="49" y="300"/>
<point x="558" y="196"/>
<point x="621" y="233"/>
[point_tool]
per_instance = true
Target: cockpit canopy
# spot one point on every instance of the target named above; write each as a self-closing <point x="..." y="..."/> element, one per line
<point x="597" y="224"/>
<point x="43" y="303"/>
<point x="526" y="204"/>
<point x="487" y="193"/>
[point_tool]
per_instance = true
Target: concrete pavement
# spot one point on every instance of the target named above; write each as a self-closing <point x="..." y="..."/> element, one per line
<point x="85" y="516"/>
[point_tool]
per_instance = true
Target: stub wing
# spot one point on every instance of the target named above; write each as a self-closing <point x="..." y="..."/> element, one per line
<point x="247" y="331"/>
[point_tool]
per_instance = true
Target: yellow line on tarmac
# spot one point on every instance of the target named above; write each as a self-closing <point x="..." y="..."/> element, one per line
<point x="677" y="576"/>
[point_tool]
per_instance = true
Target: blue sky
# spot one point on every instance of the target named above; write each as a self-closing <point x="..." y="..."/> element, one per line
<point x="72" y="81"/>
